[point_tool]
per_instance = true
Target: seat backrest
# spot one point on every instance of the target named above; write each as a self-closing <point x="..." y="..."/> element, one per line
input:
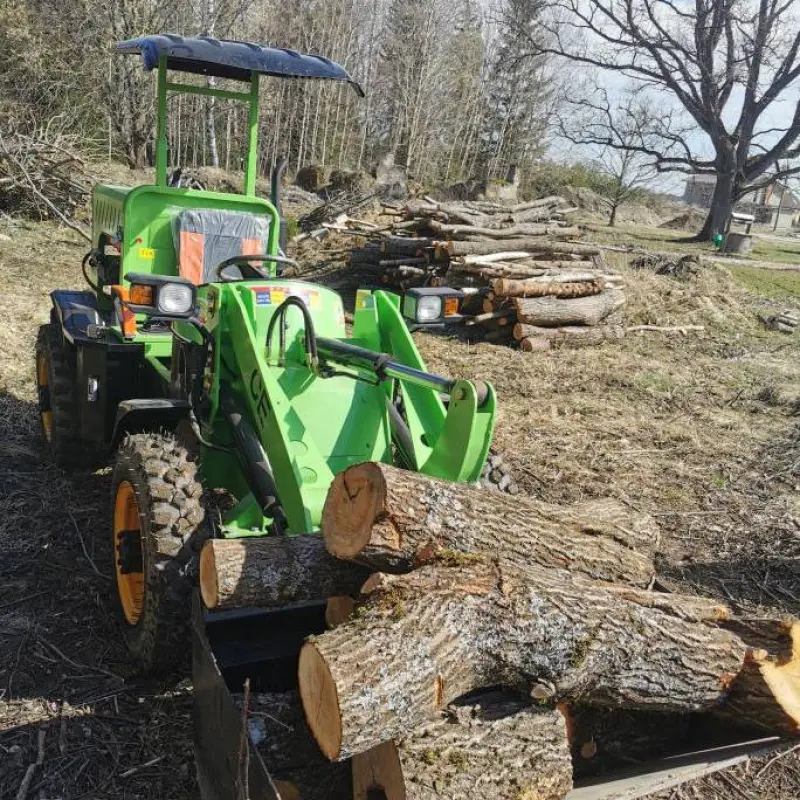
<point x="204" y="238"/>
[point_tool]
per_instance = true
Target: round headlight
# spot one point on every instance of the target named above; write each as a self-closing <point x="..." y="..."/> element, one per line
<point x="175" y="298"/>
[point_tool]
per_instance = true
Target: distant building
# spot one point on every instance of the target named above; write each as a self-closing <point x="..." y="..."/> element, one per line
<point x="775" y="205"/>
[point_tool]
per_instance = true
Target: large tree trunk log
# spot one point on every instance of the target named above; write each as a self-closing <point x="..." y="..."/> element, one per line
<point x="533" y="246"/>
<point x="273" y="571"/>
<point x="552" y="312"/>
<point x="495" y="746"/>
<point x="438" y="633"/>
<point x="549" y="286"/>
<point x="571" y="334"/>
<point x="393" y="520"/>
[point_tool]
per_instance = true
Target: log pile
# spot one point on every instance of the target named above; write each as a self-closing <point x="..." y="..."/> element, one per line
<point x="513" y="623"/>
<point x="413" y="249"/>
<point x="525" y="285"/>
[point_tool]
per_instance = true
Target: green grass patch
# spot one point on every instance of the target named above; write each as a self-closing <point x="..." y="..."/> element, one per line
<point x="768" y="282"/>
<point x="771" y="250"/>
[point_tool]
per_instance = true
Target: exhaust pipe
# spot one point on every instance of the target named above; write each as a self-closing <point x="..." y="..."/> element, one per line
<point x="275" y="197"/>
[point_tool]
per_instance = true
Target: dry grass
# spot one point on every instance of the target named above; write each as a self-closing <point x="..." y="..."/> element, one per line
<point x="699" y="430"/>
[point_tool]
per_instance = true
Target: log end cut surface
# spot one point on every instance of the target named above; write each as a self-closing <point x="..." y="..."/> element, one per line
<point x="782" y="677"/>
<point x="209" y="587"/>
<point x="356" y="500"/>
<point x="320" y="701"/>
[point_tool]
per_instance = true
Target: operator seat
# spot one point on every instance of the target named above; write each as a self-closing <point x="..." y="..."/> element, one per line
<point x="205" y="238"/>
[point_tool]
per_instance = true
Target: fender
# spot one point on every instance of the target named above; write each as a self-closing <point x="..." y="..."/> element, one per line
<point x="135" y="416"/>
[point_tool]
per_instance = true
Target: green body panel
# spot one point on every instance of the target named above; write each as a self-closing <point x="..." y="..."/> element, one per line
<point x="149" y="244"/>
<point x="108" y="209"/>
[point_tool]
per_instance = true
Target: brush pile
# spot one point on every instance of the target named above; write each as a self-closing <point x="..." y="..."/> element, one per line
<point x="488" y="626"/>
<point x="524" y="283"/>
<point x="40" y="176"/>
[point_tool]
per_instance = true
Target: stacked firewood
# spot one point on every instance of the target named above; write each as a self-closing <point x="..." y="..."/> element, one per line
<point x="411" y="250"/>
<point x="496" y="621"/>
<point x="557" y="294"/>
<point x="524" y="284"/>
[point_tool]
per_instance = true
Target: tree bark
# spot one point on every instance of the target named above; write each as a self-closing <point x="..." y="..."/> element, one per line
<point x="603" y="739"/>
<point x="575" y="335"/>
<point x="721" y="206"/>
<point x="439" y="632"/>
<point x="548" y="286"/>
<point x="393" y="520"/>
<point x="535" y="246"/>
<point x="501" y="233"/>
<point x="494" y="745"/>
<point x="273" y="571"/>
<point x="553" y="312"/>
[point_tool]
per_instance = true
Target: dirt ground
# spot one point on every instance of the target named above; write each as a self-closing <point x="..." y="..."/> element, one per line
<point x="701" y="430"/>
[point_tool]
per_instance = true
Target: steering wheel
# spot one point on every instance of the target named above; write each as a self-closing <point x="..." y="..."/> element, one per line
<point x="246" y="269"/>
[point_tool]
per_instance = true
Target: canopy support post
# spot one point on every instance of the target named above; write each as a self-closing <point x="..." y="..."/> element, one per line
<point x="252" y="139"/>
<point x="161" y="123"/>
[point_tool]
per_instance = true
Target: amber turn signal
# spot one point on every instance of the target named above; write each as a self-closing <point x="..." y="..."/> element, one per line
<point x="450" y="306"/>
<point x="141" y="295"/>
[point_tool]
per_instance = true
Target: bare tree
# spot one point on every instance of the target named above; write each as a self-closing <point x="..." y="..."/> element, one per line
<point x="706" y="57"/>
<point x="614" y="134"/>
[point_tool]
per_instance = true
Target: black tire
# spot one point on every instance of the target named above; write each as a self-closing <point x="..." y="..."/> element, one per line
<point x="58" y="400"/>
<point x="168" y="497"/>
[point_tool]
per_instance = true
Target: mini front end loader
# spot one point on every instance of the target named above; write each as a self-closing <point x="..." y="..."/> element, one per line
<point x="229" y="398"/>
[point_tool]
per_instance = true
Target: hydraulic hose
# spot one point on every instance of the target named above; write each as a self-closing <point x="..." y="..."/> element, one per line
<point x="309" y="333"/>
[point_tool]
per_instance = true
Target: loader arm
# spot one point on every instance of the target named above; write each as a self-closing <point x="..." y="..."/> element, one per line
<point x="313" y="418"/>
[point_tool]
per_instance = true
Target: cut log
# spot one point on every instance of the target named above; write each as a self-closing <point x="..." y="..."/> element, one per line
<point x="515" y="231"/>
<point x="338" y="609"/>
<point x="494" y="746"/>
<point x="393" y="520"/>
<point x="438" y="633"/>
<point x="555" y="312"/>
<point x="454" y="248"/>
<point x="534" y="344"/>
<point x="548" y="286"/>
<point x="575" y="335"/>
<point x="273" y="571"/>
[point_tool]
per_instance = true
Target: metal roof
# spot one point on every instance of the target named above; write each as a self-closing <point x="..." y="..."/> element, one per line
<point x="225" y="58"/>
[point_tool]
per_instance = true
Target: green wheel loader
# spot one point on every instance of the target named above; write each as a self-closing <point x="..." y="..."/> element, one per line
<point x="228" y="398"/>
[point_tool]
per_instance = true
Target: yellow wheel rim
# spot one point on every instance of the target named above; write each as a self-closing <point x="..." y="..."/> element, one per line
<point x="127" y="538"/>
<point x="45" y="408"/>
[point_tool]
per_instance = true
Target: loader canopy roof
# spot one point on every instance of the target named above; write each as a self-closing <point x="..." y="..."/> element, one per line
<point x="225" y="58"/>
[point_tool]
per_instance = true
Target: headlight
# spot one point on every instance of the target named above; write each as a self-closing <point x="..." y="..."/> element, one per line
<point x="429" y="308"/>
<point x="175" y="298"/>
